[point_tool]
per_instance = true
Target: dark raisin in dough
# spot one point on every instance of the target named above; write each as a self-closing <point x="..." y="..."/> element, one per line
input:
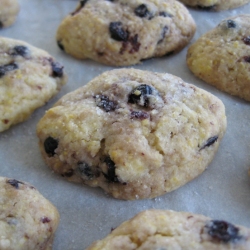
<point x="85" y="169"/>
<point x="57" y="69"/>
<point x="246" y="59"/>
<point x="8" y="67"/>
<point x="142" y="11"/>
<point x="50" y="145"/>
<point x="110" y="175"/>
<point x="231" y="24"/>
<point x="20" y="51"/>
<point x="165" y="14"/>
<point x="163" y="34"/>
<point x="68" y="173"/>
<point x="14" y="183"/>
<point x="206" y="8"/>
<point x="140" y="95"/>
<point x="246" y="40"/>
<point x="139" y="115"/>
<point x="103" y="102"/>
<point x="60" y="45"/>
<point x="117" y="32"/>
<point x="223" y="231"/>
<point x="210" y="142"/>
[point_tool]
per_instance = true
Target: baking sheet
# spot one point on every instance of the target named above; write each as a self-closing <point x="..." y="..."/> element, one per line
<point x="88" y="214"/>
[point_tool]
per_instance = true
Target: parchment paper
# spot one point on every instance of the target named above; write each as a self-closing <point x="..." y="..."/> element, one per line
<point x="88" y="214"/>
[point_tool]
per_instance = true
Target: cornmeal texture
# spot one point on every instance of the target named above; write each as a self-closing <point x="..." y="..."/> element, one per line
<point x="8" y="12"/>
<point x="123" y="32"/>
<point x="215" y="5"/>
<point x="221" y="57"/>
<point x="29" y="77"/>
<point x="163" y="229"/>
<point x="28" y="221"/>
<point x="136" y="134"/>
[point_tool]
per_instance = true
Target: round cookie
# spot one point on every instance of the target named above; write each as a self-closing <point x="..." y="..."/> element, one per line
<point x="28" y="220"/>
<point x="221" y="57"/>
<point x="123" y="32"/>
<point x="8" y="12"/>
<point x="29" y="77"/>
<point x="163" y="229"/>
<point x="215" y="5"/>
<point x="136" y="134"/>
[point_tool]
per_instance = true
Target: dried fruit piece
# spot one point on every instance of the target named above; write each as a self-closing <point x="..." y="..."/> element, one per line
<point x="57" y="69"/>
<point x="60" y="45"/>
<point x="246" y="40"/>
<point x="206" y="8"/>
<point x="163" y="34"/>
<point x="165" y="14"/>
<point x="140" y="95"/>
<point x="209" y="142"/>
<point x="139" y="115"/>
<point x="7" y="67"/>
<point x="20" y="51"/>
<point x="14" y="183"/>
<point x="110" y="175"/>
<point x="223" y="231"/>
<point x="85" y="169"/>
<point x="231" y="24"/>
<point x="117" y="32"/>
<point x="103" y="102"/>
<point x="142" y="11"/>
<point x="50" y="145"/>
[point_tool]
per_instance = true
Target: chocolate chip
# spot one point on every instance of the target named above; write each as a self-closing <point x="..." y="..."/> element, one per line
<point x="117" y="32"/>
<point x="45" y="219"/>
<point x="142" y="11"/>
<point x="14" y="183"/>
<point x="141" y="115"/>
<point x="60" y="45"/>
<point x="209" y="142"/>
<point x="57" y="69"/>
<point x="140" y="95"/>
<point x="246" y="59"/>
<point x="231" y="24"/>
<point x="165" y="14"/>
<point x="50" y="145"/>
<point x="206" y="8"/>
<point x="110" y="175"/>
<point x="7" y="67"/>
<point x="85" y="169"/>
<point x="163" y="34"/>
<point x="103" y="102"/>
<point x="223" y="231"/>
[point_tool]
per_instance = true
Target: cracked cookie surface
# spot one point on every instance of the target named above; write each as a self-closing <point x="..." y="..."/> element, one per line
<point x="136" y="134"/>
<point x="28" y="220"/>
<point x="165" y="229"/>
<point x="221" y="57"/>
<point x="8" y="12"/>
<point x="29" y="77"/>
<point x="215" y="5"/>
<point x="125" y="32"/>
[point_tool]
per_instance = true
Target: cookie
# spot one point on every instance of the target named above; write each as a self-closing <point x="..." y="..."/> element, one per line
<point x="215" y="5"/>
<point x="28" y="220"/>
<point x="221" y="57"/>
<point x="8" y="12"/>
<point x="29" y="77"/>
<point x="134" y="133"/>
<point x="122" y="32"/>
<point x="165" y="229"/>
